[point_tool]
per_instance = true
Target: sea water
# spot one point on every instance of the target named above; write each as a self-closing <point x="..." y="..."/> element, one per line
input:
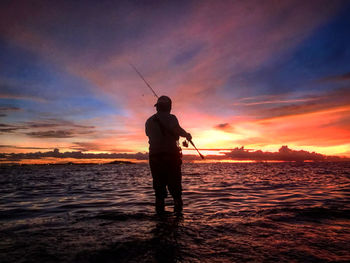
<point x="233" y="212"/>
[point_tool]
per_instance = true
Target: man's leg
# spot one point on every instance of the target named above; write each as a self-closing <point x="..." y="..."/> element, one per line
<point x="160" y="205"/>
<point x="174" y="185"/>
<point x="159" y="182"/>
<point x="178" y="204"/>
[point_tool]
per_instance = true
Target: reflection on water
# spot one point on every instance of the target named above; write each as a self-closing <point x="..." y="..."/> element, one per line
<point x="233" y="212"/>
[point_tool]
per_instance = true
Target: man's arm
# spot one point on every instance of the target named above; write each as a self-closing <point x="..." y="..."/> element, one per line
<point x="180" y="131"/>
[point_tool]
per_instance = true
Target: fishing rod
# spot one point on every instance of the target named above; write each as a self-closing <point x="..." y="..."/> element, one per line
<point x="155" y="94"/>
<point x="138" y="72"/>
<point x="196" y="149"/>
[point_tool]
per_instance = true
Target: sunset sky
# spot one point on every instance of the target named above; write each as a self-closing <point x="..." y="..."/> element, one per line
<point x="258" y="74"/>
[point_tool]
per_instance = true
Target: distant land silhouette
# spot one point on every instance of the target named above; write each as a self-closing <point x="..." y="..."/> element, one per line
<point x="283" y="154"/>
<point x="238" y="153"/>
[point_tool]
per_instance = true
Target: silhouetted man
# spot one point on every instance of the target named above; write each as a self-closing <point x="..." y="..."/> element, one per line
<point x="163" y="131"/>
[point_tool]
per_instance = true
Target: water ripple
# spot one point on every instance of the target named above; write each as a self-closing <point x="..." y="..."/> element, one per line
<point x="233" y="212"/>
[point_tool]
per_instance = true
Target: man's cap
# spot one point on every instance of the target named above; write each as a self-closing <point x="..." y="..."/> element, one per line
<point x="163" y="100"/>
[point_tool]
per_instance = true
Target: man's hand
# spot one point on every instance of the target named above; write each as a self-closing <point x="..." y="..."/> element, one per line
<point x="188" y="137"/>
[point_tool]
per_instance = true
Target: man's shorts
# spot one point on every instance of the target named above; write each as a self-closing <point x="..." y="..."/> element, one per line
<point x="166" y="172"/>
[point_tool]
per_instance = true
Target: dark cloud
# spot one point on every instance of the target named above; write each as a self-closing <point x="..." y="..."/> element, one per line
<point x="8" y="128"/>
<point x="271" y="99"/>
<point x="59" y="133"/>
<point x="51" y="123"/>
<point x="42" y="125"/>
<point x="20" y="97"/>
<point x="27" y="148"/>
<point x="16" y="89"/>
<point x="5" y="109"/>
<point x="9" y="109"/>
<point x="5" y="125"/>
<point x="328" y="100"/>
<point x="91" y="146"/>
<point x="224" y="126"/>
<point x="340" y="77"/>
<point x="88" y="146"/>
<point x="51" y="134"/>
<point x="59" y="129"/>
<point x="49" y="128"/>
<point x="282" y="105"/>
<point x="343" y="123"/>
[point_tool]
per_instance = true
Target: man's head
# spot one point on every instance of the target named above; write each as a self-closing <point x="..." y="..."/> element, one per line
<point x="163" y="104"/>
